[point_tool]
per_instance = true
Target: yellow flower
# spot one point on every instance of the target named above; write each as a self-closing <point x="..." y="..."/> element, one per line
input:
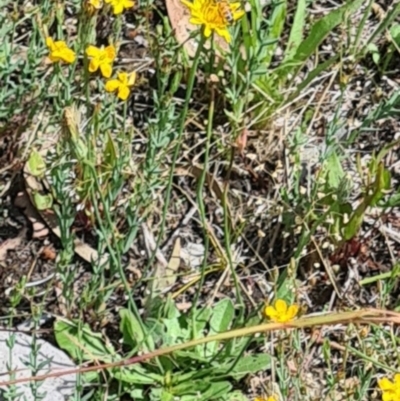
<point x="281" y="313"/>
<point x="101" y="58"/>
<point x="270" y="398"/>
<point x="59" y="51"/>
<point x="120" y="5"/>
<point x="91" y="6"/>
<point x="122" y="84"/>
<point x="390" y="390"/>
<point x="212" y="15"/>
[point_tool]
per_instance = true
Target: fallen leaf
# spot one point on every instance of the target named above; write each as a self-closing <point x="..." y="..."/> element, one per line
<point x="11" y="244"/>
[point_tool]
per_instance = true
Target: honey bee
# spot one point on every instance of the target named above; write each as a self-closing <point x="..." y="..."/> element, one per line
<point x="226" y="10"/>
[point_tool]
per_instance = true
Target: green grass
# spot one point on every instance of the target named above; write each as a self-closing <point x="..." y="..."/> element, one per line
<point x="282" y="232"/>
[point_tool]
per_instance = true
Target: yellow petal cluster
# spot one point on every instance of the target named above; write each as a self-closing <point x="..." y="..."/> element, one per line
<point x="281" y="312"/>
<point x="122" y="84"/>
<point x="102" y="58"/>
<point x="59" y="51"/>
<point x="390" y="389"/>
<point x="212" y="16"/>
<point x="119" y="6"/>
<point x="91" y="6"/>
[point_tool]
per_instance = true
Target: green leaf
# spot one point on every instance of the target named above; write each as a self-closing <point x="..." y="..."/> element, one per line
<point x="222" y="316"/>
<point x="175" y="334"/>
<point x="318" y="33"/>
<point x="42" y="202"/>
<point x="276" y="24"/>
<point x="133" y="332"/>
<point x="220" y="321"/>
<point x="245" y="365"/>
<point x="36" y="164"/>
<point x="334" y="170"/>
<point x="200" y="320"/>
<point x="216" y="390"/>
<point x="137" y="374"/>
<point x="296" y="31"/>
<point x="235" y="396"/>
<point x="82" y="343"/>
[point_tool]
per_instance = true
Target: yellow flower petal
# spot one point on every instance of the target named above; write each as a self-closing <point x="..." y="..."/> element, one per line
<point x="118" y="9"/>
<point x="106" y="70"/>
<point x="292" y="311"/>
<point x="224" y="33"/>
<point x="388" y="397"/>
<point x="132" y="78"/>
<point x="123" y="78"/>
<point x="281" y="306"/>
<point x="123" y="92"/>
<point x="385" y="384"/>
<point x="207" y="31"/>
<point x="110" y="53"/>
<point x="93" y="51"/>
<point x="112" y="85"/>
<point x="129" y="4"/>
<point x="94" y="65"/>
<point x="270" y="311"/>
<point x="50" y="43"/>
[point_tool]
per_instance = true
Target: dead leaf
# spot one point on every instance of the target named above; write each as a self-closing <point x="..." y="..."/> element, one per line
<point x="11" y="244"/>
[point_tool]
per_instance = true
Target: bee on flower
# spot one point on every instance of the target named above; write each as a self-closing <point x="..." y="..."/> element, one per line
<point x="214" y="15"/>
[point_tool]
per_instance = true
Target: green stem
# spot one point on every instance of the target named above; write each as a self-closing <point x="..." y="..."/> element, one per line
<point x="177" y="149"/>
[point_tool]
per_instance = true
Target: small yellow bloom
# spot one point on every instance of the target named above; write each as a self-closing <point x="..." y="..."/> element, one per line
<point x="91" y="6"/>
<point x="120" y="5"/>
<point x="390" y="390"/>
<point x="281" y="313"/>
<point x="122" y="84"/>
<point x="210" y="14"/>
<point x="101" y="58"/>
<point x="59" y="51"/>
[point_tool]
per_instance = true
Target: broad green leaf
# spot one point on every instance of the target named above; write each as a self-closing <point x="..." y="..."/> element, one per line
<point x="137" y="374"/>
<point x="395" y="33"/>
<point x="296" y="30"/>
<point x="36" y="164"/>
<point x="318" y="33"/>
<point x="216" y="390"/>
<point x="133" y="332"/>
<point x="199" y="320"/>
<point x="245" y="365"/>
<point x="82" y="344"/>
<point x="137" y="394"/>
<point x="220" y="321"/>
<point x="110" y="153"/>
<point x="276" y="24"/>
<point x="201" y="390"/>
<point x="235" y="396"/>
<point x="222" y="315"/>
<point x="334" y="170"/>
<point x="174" y="333"/>
<point x="42" y="202"/>
<point x="191" y="387"/>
